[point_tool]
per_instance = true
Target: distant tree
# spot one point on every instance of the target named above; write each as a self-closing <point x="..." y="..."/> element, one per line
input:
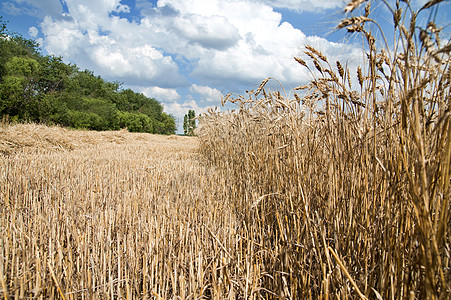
<point x="135" y="122"/>
<point x="165" y="124"/>
<point x="185" y="125"/>
<point x="189" y="123"/>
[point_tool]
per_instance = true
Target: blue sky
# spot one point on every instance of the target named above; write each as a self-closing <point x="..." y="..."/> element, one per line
<point x="187" y="53"/>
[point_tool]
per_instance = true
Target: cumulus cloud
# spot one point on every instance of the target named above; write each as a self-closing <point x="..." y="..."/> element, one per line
<point x="178" y="110"/>
<point x="259" y="45"/>
<point x="255" y="58"/>
<point x="225" y="43"/>
<point x="222" y="45"/>
<point x="306" y="5"/>
<point x="206" y="93"/>
<point x="110" y="52"/>
<point x="163" y="95"/>
<point x="33" y="31"/>
<point x="61" y="37"/>
<point x="213" y="32"/>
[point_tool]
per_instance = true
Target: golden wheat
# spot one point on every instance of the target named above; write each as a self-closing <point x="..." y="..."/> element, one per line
<point x="361" y="174"/>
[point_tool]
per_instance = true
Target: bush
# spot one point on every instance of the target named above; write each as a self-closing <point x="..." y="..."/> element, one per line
<point x="135" y="122"/>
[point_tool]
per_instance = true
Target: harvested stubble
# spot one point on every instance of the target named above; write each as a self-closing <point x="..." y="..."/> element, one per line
<point x="345" y="191"/>
<point x="114" y="215"/>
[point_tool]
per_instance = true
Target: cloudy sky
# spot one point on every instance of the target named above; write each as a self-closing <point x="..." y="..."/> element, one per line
<point x="186" y="53"/>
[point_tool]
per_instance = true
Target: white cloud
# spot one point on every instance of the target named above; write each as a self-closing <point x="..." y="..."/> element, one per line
<point x="265" y="46"/>
<point x="212" y="32"/>
<point x="33" y="31"/>
<point x="178" y="110"/>
<point x="116" y="55"/>
<point x="98" y="7"/>
<point x="121" y="8"/>
<point x="12" y="9"/>
<point x="223" y="45"/>
<point x="263" y="53"/>
<point x="206" y="93"/>
<point x="161" y="94"/>
<point x="62" y="37"/>
<point x="307" y="5"/>
<point x="226" y="43"/>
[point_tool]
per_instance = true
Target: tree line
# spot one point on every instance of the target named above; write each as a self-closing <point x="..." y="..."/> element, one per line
<point x="42" y="88"/>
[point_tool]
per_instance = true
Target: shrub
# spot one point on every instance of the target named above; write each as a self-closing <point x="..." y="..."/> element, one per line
<point x="135" y="122"/>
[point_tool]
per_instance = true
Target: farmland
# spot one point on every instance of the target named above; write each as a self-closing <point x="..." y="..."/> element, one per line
<point x="110" y="214"/>
<point x="338" y="189"/>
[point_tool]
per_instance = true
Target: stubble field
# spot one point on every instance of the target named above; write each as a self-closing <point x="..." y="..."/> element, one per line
<point x="109" y="215"/>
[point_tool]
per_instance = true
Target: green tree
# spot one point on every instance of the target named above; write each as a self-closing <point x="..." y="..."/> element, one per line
<point x="19" y="87"/>
<point x="135" y="122"/>
<point x="189" y="123"/>
<point x="168" y="122"/>
<point x="45" y="89"/>
<point x="165" y="124"/>
<point x="185" y="125"/>
<point x="55" y="74"/>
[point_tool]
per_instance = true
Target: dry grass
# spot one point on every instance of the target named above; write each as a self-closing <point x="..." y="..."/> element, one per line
<point x="33" y="137"/>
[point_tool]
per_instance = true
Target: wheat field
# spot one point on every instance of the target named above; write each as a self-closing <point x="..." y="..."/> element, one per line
<point x="345" y="180"/>
<point x="338" y="189"/>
